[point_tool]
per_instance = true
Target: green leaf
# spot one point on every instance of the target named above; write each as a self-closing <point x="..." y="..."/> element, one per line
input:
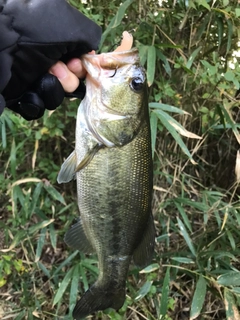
<point x="230" y="33"/>
<point x="44" y="269"/>
<point x="186" y="236"/>
<point x="192" y="57"/>
<point x="63" y="286"/>
<point x="153" y="124"/>
<point x="143" y="290"/>
<point x="116" y="20"/>
<point x="230" y="305"/>
<point x="35" y="196"/>
<point x="231" y="278"/>
<point x="54" y="193"/>
<point x="198" y="298"/>
<point x="82" y="273"/>
<point x="204" y="4"/>
<point x="165" y="118"/>
<point x="237" y="12"/>
<point x="166" y="64"/>
<point x="165" y="293"/>
<point x="74" y="288"/>
<point x="220" y="31"/>
<point x="151" y="64"/>
<point x="20" y="316"/>
<point x="143" y="51"/>
<point x="3" y="131"/>
<point x="65" y="262"/>
<point x="40" y="244"/>
<point x="150" y="268"/>
<point x="53" y="236"/>
<point x="39" y="226"/>
<point x="184" y="215"/>
<point x="166" y="107"/>
<point x="183" y="260"/>
<point x="229" y="75"/>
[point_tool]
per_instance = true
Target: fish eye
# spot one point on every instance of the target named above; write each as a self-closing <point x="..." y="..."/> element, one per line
<point x="136" y="84"/>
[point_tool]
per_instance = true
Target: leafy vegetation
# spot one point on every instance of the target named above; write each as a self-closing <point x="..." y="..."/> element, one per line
<point x="190" y="51"/>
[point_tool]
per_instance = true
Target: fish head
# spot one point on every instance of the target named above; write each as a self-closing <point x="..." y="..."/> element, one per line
<point x="116" y="98"/>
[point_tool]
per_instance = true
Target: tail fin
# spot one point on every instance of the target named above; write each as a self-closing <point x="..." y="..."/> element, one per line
<point x="99" y="298"/>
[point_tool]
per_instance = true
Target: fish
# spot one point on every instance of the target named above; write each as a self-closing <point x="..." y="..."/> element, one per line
<point x="112" y="165"/>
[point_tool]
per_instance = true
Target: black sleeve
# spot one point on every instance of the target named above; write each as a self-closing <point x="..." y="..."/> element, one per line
<point x="35" y="34"/>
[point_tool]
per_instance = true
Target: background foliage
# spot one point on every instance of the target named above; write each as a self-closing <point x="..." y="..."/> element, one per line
<point x="189" y="49"/>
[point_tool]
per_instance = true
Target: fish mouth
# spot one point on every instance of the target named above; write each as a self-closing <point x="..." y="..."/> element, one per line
<point x="96" y="64"/>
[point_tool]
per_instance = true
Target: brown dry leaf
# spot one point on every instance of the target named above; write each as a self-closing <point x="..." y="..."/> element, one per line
<point x="36" y="314"/>
<point x="184" y="132"/>
<point x="26" y="180"/>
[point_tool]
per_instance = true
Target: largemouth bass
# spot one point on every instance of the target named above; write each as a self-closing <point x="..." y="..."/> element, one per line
<point x="113" y="167"/>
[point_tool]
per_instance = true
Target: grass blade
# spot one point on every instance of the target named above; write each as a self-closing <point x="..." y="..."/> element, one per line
<point x="40" y="244"/>
<point x="74" y="288"/>
<point x="63" y="287"/>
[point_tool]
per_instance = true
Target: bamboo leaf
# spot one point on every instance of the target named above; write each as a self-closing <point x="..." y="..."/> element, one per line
<point x="184" y="215"/>
<point x="153" y="124"/>
<point x="183" y="260"/>
<point x="166" y="64"/>
<point x="54" y="193"/>
<point x="198" y="298"/>
<point x="186" y="236"/>
<point x="151" y="64"/>
<point x="204" y="4"/>
<point x="164" y="117"/>
<point x="116" y="20"/>
<point x="150" y="268"/>
<point x="231" y="278"/>
<point x="167" y="107"/>
<point x="192" y="57"/>
<point x="230" y="33"/>
<point x="220" y="31"/>
<point x="143" y="290"/>
<point x="230" y="306"/>
<point x="183" y="131"/>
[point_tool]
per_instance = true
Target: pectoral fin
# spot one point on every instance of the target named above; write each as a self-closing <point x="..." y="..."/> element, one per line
<point x="88" y="157"/>
<point x="68" y="168"/>
<point x="142" y="255"/>
<point x="76" y="238"/>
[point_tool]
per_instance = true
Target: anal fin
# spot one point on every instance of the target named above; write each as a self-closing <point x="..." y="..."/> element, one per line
<point x="143" y="254"/>
<point x="75" y="238"/>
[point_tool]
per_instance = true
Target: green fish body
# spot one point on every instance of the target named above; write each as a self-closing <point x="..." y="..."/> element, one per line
<point x="113" y="167"/>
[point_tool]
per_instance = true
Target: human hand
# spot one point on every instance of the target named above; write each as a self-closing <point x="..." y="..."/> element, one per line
<point x="38" y="34"/>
